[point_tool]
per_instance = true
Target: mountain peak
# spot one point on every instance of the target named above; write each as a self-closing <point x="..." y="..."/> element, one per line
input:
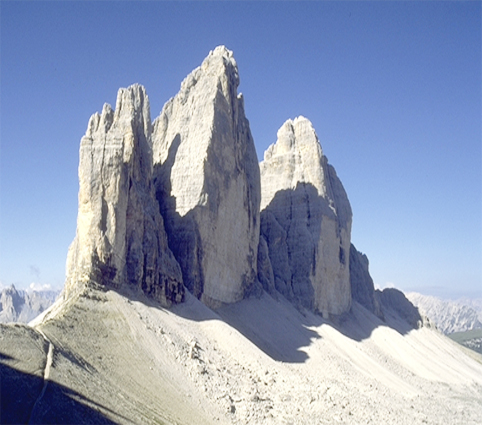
<point x="298" y="137"/>
<point x="221" y="53"/>
<point x="306" y="221"/>
<point x="207" y="181"/>
<point x="120" y="241"/>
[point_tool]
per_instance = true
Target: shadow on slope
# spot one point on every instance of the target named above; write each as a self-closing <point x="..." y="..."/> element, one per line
<point x="281" y="331"/>
<point x="274" y="326"/>
<point x="58" y="405"/>
<point x="398" y="314"/>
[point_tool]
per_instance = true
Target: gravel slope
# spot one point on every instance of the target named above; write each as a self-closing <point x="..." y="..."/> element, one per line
<point x="260" y="361"/>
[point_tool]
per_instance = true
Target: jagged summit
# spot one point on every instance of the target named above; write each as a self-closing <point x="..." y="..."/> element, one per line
<point x="218" y="70"/>
<point x="207" y="181"/>
<point x="221" y="60"/>
<point x="120" y="240"/>
<point x="297" y="156"/>
<point x="306" y="221"/>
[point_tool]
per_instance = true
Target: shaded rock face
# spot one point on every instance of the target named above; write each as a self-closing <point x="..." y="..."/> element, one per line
<point x="306" y="221"/>
<point x="265" y="269"/>
<point x="120" y="236"/>
<point x="362" y="287"/>
<point x="392" y="301"/>
<point x="207" y="182"/>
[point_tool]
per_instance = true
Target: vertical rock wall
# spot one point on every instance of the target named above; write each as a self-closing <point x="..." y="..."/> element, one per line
<point x="306" y="221"/>
<point x="362" y="287"/>
<point x="207" y="182"/>
<point x="120" y="240"/>
<point x="197" y="166"/>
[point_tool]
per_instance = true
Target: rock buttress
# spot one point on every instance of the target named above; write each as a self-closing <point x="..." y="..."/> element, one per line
<point x="120" y="240"/>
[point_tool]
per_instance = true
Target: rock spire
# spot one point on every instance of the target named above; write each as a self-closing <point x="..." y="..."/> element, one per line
<point x="305" y="221"/>
<point x="207" y="182"/>
<point x="120" y="241"/>
<point x="177" y="203"/>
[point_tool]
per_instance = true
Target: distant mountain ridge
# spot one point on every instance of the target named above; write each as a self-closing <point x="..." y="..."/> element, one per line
<point x="449" y="316"/>
<point x="475" y="303"/>
<point x="17" y="305"/>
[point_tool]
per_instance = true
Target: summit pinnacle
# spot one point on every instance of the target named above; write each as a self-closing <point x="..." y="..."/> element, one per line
<point x="207" y="182"/>
<point x="120" y="241"/>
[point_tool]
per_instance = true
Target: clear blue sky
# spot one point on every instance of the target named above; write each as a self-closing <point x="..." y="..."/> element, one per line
<point x="392" y="88"/>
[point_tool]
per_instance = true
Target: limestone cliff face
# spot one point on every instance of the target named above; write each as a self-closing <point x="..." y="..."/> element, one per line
<point x="120" y="238"/>
<point x="362" y="287"/>
<point x="207" y="181"/>
<point x="306" y="221"/>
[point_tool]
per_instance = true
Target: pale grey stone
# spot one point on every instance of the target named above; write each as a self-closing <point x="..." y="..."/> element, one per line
<point x="207" y="182"/>
<point x="120" y="240"/>
<point x="306" y="221"/>
<point x="362" y="287"/>
<point x="265" y="269"/>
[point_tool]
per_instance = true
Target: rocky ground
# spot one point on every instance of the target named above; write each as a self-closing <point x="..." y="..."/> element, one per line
<point x="108" y="358"/>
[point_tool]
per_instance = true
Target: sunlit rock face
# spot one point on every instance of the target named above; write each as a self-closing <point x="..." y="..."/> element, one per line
<point x="306" y="221"/>
<point x="120" y="241"/>
<point x="207" y="182"/>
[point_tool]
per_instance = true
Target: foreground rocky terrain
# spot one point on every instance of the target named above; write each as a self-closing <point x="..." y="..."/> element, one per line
<point x="111" y="358"/>
<point x="203" y="287"/>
